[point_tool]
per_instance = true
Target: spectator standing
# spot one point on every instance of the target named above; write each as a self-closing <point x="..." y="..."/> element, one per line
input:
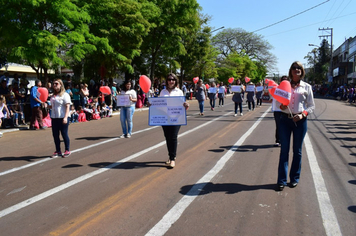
<point x="60" y="104"/>
<point x="114" y="93"/>
<point x="76" y="96"/>
<point x="84" y="93"/>
<point x="36" y="107"/>
<point x="3" y="108"/>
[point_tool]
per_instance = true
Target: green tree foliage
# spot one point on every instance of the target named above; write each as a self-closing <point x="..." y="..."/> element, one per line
<point x="242" y="42"/>
<point x="37" y="32"/>
<point x="164" y="42"/>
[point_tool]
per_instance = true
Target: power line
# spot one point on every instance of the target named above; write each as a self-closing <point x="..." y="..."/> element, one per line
<point x="291" y="16"/>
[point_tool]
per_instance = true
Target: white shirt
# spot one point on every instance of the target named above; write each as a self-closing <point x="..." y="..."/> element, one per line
<point x="302" y="99"/>
<point x="59" y="105"/>
<point x="175" y="92"/>
<point x="132" y="93"/>
<point x="275" y="105"/>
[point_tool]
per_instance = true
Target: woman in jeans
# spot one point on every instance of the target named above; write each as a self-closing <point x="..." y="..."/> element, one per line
<point x="60" y="103"/>
<point x="126" y="113"/>
<point x="201" y="95"/>
<point x="293" y="121"/>
<point x="238" y="98"/>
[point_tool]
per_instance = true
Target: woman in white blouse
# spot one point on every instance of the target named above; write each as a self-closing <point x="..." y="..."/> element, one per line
<point x="171" y="131"/>
<point x="293" y="121"/>
<point x="60" y="103"/>
<point x="126" y="113"/>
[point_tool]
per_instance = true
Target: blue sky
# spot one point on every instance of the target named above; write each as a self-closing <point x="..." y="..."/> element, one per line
<point x="291" y="37"/>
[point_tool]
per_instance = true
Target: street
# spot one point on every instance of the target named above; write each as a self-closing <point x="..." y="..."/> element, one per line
<point x="223" y="183"/>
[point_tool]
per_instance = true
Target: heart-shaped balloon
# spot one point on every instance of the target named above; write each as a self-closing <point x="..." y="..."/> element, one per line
<point x="230" y="80"/>
<point x="247" y="79"/>
<point x="207" y="86"/>
<point x="272" y="84"/>
<point x="105" y="90"/>
<point x="145" y="83"/>
<point x="42" y="94"/>
<point x="282" y="93"/>
<point x="195" y="80"/>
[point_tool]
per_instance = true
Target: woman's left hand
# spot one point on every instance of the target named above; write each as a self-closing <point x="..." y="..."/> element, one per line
<point x="297" y="117"/>
<point x="65" y="121"/>
<point x="186" y="105"/>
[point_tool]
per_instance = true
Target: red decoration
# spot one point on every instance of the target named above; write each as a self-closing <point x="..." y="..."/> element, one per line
<point x="271" y="84"/>
<point x="247" y="79"/>
<point x="230" y="80"/>
<point x="282" y="93"/>
<point x="42" y="94"/>
<point x="195" y="80"/>
<point x="105" y="90"/>
<point x="207" y="86"/>
<point x="145" y="83"/>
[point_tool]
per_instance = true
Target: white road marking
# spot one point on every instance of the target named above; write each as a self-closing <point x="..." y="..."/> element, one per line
<point x="331" y="225"/>
<point x="175" y="213"/>
<point x="16" y="190"/>
<point x="52" y="191"/>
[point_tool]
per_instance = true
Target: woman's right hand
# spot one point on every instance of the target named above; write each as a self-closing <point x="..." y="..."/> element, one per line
<point x="148" y="104"/>
<point x="283" y="107"/>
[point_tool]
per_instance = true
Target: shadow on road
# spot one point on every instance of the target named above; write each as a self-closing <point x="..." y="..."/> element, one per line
<point x="243" y="148"/>
<point x="23" y="158"/>
<point x="352" y="209"/>
<point x="228" y="188"/>
<point x="128" y="165"/>
<point x="94" y="138"/>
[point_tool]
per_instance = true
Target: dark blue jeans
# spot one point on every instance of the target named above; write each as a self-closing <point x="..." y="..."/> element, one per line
<point x="277" y="117"/>
<point x="171" y="135"/>
<point x="287" y="128"/>
<point x="212" y="103"/>
<point x="201" y="106"/>
<point x="59" y="127"/>
<point x="238" y="105"/>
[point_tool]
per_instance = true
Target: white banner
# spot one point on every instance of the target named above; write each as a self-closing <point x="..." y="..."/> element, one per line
<point x="250" y="88"/>
<point x="167" y="111"/>
<point x="212" y="90"/>
<point x="123" y="100"/>
<point x="282" y="93"/>
<point x="259" y="88"/>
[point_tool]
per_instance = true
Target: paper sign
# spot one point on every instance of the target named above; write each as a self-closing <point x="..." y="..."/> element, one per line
<point x="259" y="88"/>
<point x="212" y="90"/>
<point x="167" y="111"/>
<point x="123" y="100"/>
<point x="250" y="88"/>
<point x="236" y="88"/>
<point x="282" y="93"/>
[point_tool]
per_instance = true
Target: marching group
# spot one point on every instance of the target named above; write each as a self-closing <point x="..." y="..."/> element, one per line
<point x="290" y="119"/>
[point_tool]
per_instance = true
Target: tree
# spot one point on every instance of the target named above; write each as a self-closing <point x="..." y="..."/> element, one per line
<point x="38" y="32"/>
<point x="164" y="41"/>
<point x="242" y="42"/>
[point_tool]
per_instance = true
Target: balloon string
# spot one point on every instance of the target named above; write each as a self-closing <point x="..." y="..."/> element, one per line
<point x="291" y="114"/>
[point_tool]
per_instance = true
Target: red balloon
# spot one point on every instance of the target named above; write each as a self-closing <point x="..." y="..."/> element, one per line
<point x="267" y="80"/>
<point x="195" y="80"/>
<point x="145" y="83"/>
<point x="207" y="86"/>
<point x="42" y="94"/>
<point x="105" y="90"/>
<point x="271" y="84"/>
<point x="230" y="80"/>
<point x="282" y="93"/>
<point x="247" y="79"/>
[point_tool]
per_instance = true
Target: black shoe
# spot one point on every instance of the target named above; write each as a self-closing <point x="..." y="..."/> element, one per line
<point x="280" y="187"/>
<point x="293" y="184"/>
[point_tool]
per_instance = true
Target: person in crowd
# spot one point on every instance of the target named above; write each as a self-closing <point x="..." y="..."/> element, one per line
<point x="82" y="117"/>
<point x="76" y="95"/>
<point x="16" y="80"/>
<point x="259" y="95"/>
<point x="17" y="114"/>
<point x="277" y="114"/>
<point x="293" y="121"/>
<point x="251" y="97"/>
<point x="96" y="112"/>
<point x="221" y="94"/>
<point x="73" y="114"/>
<point x="201" y="95"/>
<point x="140" y="97"/>
<point x="114" y="93"/>
<point x="36" y="107"/>
<point x="69" y="90"/>
<point x="84" y="93"/>
<point x="238" y="98"/>
<point x="126" y="113"/>
<point x="50" y="90"/>
<point x="4" y="90"/>
<point x="212" y="93"/>
<point x="60" y="104"/>
<point x="3" y="107"/>
<point x="171" y="131"/>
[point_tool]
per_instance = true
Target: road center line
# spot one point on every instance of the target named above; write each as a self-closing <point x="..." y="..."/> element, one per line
<point x="64" y="186"/>
<point x="175" y="213"/>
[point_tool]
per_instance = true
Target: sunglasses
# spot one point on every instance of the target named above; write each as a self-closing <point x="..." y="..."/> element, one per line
<point x="171" y="79"/>
<point x="55" y="83"/>
<point x="296" y="67"/>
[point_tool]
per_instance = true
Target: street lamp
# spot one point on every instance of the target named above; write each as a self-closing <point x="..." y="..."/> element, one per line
<point x="313" y="45"/>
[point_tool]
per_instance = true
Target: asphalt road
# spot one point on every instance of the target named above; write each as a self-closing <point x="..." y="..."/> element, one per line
<point x="223" y="183"/>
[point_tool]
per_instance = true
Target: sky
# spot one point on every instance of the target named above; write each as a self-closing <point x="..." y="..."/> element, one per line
<point x="301" y="21"/>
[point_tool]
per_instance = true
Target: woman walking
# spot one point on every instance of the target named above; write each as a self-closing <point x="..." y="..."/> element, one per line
<point x="238" y="98"/>
<point x="212" y="91"/>
<point x="293" y="121"/>
<point x="126" y="113"/>
<point x="60" y="104"/>
<point x="201" y="95"/>
<point x="221" y="94"/>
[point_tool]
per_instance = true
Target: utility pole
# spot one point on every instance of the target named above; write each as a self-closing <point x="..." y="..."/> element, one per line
<point x="331" y="48"/>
